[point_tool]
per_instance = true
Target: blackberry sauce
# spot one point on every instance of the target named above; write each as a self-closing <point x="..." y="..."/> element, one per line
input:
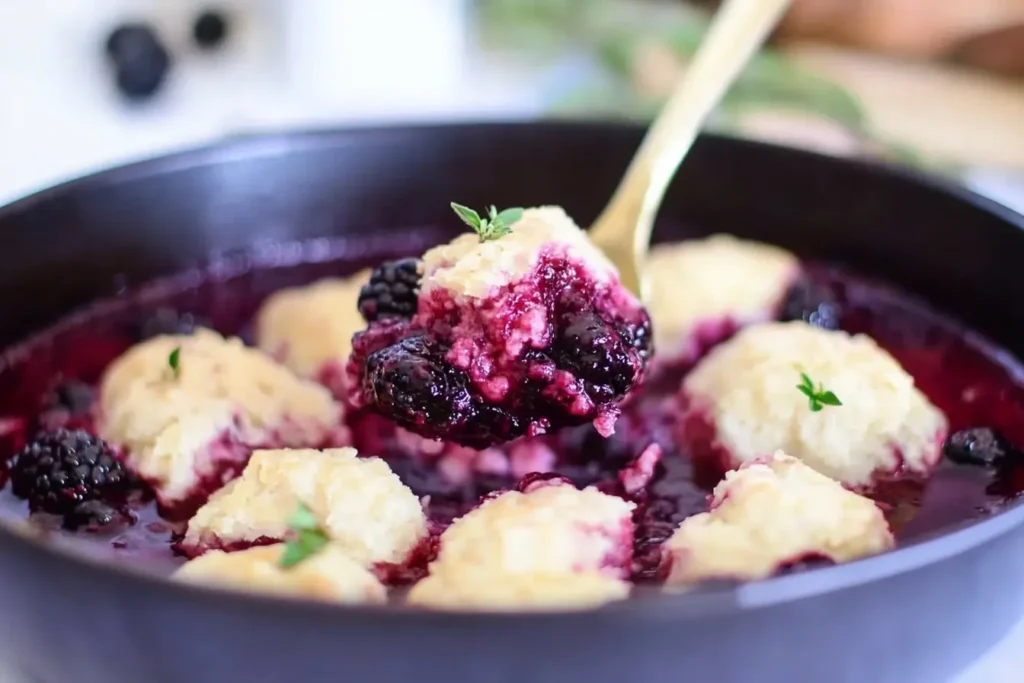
<point x="972" y="383"/>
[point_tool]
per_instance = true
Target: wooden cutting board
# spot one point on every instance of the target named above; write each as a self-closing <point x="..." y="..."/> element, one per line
<point x="954" y="112"/>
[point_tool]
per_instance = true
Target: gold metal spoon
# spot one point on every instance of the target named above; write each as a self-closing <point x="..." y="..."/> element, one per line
<point x="623" y="230"/>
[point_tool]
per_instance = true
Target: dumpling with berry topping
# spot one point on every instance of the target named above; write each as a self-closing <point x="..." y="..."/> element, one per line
<point x="364" y="507"/>
<point x="545" y="544"/>
<point x="838" y="402"/>
<point x="329" y="574"/>
<point x="310" y="328"/>
<point x="770" y="513"/>
<point x="703" y="290"/>
<point x="521" y="327"/>
<point x="188" y="411"/>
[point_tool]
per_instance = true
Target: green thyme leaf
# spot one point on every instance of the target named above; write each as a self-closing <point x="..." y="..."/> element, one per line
<point x="468" y="216"/>
<point x="308" y="538"/>
<point x="829" y="399"/>
<point x="303" y="519"/>
<point x="509" y="216"/>
<point x="174" y="361"/>
<point x="817" y="398"/>
<point x="495" y="225"/>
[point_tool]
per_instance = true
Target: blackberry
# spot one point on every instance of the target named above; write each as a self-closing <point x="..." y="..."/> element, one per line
<point x="815" y="304"/>
<point x="210" y="29"/>
<point x="140" y="60"/>
<point x="392" y="290"/>
<point x="59" y="470"/>
<point x="121" y="39"/>
<point x="979" y="446"/>
<point x="595" y="352"/>
<point x="410" y="383"/>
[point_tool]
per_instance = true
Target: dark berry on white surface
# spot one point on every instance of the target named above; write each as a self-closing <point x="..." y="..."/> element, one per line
<point x="140" y="60"/>
<point x="979" y="446"/>
<point x="210" y="29"/>
<point x="813" y="303"/>
<point x="59" y="470"/>
<point x="392" y="291"/>
<point x="124" y="36"/>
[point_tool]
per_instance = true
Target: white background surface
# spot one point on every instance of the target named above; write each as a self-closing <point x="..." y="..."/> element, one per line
<point x="285" y="68"/>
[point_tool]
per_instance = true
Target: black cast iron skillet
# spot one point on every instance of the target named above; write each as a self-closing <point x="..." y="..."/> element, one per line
<point x="918" y="614"/>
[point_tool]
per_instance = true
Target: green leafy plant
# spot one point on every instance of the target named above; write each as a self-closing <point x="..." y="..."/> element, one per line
<point x="494" y="225"/>
<point x="174" y="362"/>
<point x="818" y="398"/>
<point x="308" y="538"/>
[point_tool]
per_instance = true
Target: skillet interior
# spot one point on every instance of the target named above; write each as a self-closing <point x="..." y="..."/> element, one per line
<point x="161" y="216"/>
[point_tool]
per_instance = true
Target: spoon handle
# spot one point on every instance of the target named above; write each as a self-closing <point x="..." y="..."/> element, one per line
<point x="737" y="31"/>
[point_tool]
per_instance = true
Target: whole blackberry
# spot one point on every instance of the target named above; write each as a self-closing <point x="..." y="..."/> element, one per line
<point x="122" y="38"/>
<point x="392" y="290"/>
<point x="139" y="58"/>
<point x="815" y="304"/>
<point x="210" y="29"/>
<point x="59" y="470"/>
<point x="595" y="351"/>
<point x="412" y="385"/>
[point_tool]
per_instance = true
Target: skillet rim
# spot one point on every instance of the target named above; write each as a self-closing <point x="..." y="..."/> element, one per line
<point x="702" y="603"/>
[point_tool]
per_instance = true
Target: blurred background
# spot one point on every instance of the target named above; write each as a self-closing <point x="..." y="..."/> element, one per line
<point x="937" y="84"/>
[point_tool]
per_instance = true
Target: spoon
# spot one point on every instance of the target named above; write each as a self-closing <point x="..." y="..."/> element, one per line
<point x="623" y="230"/>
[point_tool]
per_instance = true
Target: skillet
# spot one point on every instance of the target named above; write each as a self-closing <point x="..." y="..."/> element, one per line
<point x="920" y="613"/>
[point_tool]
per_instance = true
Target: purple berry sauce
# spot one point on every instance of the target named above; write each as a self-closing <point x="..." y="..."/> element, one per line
<point x="44" y="380"/>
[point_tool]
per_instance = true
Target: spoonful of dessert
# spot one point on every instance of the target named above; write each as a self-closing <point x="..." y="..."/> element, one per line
<point x="623" y="230"/>
<point x="524" y="324"/>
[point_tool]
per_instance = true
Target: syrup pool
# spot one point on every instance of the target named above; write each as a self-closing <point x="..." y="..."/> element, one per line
<point x="975" y="384"/>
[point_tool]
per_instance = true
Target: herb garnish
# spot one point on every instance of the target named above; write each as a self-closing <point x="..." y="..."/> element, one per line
<point x="496" y="224"/>
<point x="819" y="398"/>
<point x="173" y="361"/>
<point x="308" y="538"/>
